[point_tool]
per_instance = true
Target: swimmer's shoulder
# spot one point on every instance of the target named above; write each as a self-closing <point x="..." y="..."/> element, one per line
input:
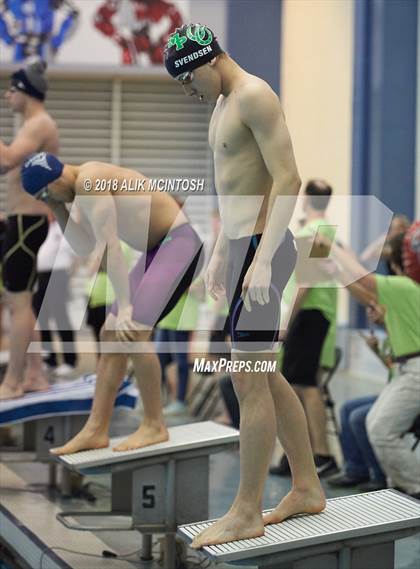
<point x="93" y="167"/>
<point x="41" y="125"/>
<point x="255" y="94"/>
<point x="91" y="170"/>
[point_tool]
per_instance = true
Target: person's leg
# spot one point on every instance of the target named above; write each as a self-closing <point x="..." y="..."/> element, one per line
<point x="110" y="373"/>
<point x="302" y="353"/>
<point x="268" y="405"/>
<point x="22" y="323"/>
<point x="390" y="417"/>
<point x="358" y="428"/>
<point x="257" y="436"/>
<point x="230" y="399"/>
<point x="314" y="406"/>
<point x="35" y="378"/>
<point x="355" y="469"/>
<point x="292" y="430"/>
<point x="180" y="339"/>
<point x="46" y="339"/>
<point x="24" y="236"/>
<point x="69" y="350"/>
<point x="160" y="339"/>
<point x="1" y="318"/>
<point x="354" y="465"/>
<point x="60" y="294"/>
<point x="157" y="282"/>
<point x="96" y="319"/>
<point x="300" y="365"/>
<point x="148" y="373"/>
<point x="41" y="307"/>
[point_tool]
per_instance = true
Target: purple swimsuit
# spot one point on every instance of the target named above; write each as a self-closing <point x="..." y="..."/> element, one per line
<point x="163" y="274"/>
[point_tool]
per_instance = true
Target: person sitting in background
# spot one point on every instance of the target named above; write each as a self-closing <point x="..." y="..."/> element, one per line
<point x="397" y="406"/>
<point x="361" y="467"/>
<point x="172" y="337"/>
<point x="50" y="302"/>
<point x="312" y="329"/>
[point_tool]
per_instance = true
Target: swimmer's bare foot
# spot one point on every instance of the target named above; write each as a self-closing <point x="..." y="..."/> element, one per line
<point x="144" y="436"/>
<point x="231" y="527"/>
<point x="10" y="391"/>
<point x="311" y="501"/>
<point x="87" y="439"/>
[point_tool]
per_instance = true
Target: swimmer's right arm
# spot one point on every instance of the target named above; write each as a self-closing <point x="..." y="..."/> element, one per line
<point x="215" y="273"/>
<point x="220" y="247"/>
<point x="78" y="234"/>
<point x="27" y="141"/>
<point x="102" y="217"/>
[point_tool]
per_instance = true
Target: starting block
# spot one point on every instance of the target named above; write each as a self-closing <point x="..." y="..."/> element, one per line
<point x="156" y="488"/>
<point x="353" y="532"/>
<point x="50" y="418"/>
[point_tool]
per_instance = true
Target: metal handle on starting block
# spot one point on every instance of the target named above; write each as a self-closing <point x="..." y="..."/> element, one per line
<point x="62" y="517"/>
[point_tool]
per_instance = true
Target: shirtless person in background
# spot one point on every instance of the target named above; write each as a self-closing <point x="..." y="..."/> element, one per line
<point x="147" y="221"/>
<point x="255" y="256"/>
<point x="27" y="226"/>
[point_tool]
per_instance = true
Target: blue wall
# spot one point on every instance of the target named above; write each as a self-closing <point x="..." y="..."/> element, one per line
<point x="253" y="36"/>
<point x="385" y="86"/>
<point x="384" y="111"/>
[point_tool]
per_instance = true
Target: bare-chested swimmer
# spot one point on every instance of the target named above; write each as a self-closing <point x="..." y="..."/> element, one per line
<point x="253" y="156"/>
<point x="147" y="221"/>
<point x="26" y="226"/>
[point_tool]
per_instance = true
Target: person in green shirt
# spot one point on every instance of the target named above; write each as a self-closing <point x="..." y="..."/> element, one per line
<point x="311" y="335"/>
<point x="399" y="403"/>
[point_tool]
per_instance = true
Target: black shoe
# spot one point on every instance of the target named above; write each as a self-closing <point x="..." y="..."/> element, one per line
<point x="325" y="465"/>
<point x="283" y="468"/>
<point x="373" y="486"/>
<point x="342" y="480"/>
<point x="50" y="360"/>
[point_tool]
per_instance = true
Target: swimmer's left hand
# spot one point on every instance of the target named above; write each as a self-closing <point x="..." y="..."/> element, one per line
<point x="125" y="327"/>
<point x="256" y="285"/>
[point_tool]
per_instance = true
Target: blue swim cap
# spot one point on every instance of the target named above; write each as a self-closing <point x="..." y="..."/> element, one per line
<point x="39" y="170"/>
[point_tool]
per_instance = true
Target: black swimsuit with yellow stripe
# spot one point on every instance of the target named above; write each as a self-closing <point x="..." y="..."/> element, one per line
<point x="22" y="240"/>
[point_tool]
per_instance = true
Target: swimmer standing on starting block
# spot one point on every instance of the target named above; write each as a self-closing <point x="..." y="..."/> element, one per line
<point x="148" y="221"/>
<point x="26" y="226"/>
<point x="253" y="259"/>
